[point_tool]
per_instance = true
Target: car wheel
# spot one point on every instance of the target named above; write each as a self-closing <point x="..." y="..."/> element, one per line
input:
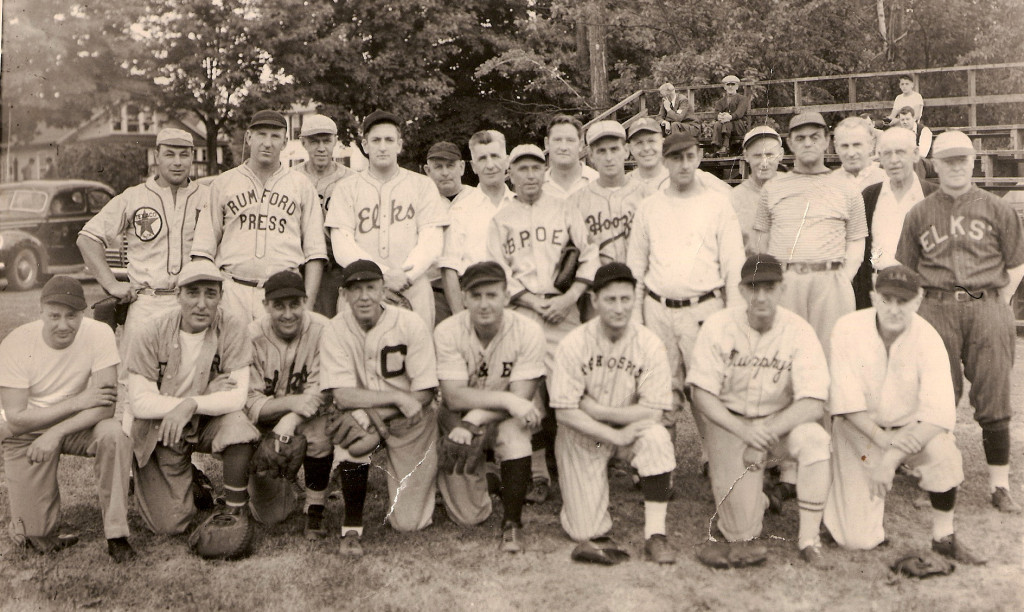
<point x="23" y="270"/>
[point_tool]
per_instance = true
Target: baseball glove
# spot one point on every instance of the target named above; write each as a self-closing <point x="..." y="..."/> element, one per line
<point x="279" y="456"/>
<point x="397" y="299"/>
<point x="921" y="565"/>
<point x="565" y="271"/>
<point x="602" y="550"/>
<point x="724" y="555"/>
<point x="225" y="534"/>
<point x="111" y="311"/>
<point x="345" y="431"/>
<point x="463" y="458"/>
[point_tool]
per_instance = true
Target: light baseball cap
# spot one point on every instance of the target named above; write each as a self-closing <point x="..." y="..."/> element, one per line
<point x="760" y="131"/>
<point x="318" y="124"/>
<point x="952" y="144"/>
<point x="525" y="150"/>
<point x="174" y="137"/>
<point x="644" y="124"/>
<point x="199" y="270"/>
<point x="732" y="78"/>
<point x="601" y="129"/>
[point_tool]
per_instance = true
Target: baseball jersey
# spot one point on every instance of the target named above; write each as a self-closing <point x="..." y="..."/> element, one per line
<point x="324" y="187"/>
<point x="587" y="175"/>
<point x="608" y="214"/>
<point x="465" y="240"/>
<point x="631" y="370"/>
<point x="159" y="228"/>
<point x="282" y="367"/>
<point x="515" y="353"/>
<point x="527" y="240"/>
<point x="968" y="241"/>
<point x="253" y="230"/>
<point x="757" y="374"/>
<point x="684" y="247"/>
<point x="660" y="181"/>
<point x="384" y="219"/>
<point x="810" y="217"/>
<point x="908" y="383"/>
<point x="53" y="375"/>
<point x="397" y="353"/>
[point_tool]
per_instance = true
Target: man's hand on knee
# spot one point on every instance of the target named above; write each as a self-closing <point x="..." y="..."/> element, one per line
<point x="45" y="447"/>
<point x="174" y="422"/>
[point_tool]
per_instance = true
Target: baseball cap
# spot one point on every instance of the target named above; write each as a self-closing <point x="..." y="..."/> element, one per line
<point x="732" y="78"/>
<point x="644" y="124"/>
<point x="676" y="142"/>
<point x="761" y="268"/>
<point x="808" y="118"/>
<point x="482" y="273"/>
<point x="600" y="129"/>
<point x="63" y="290"/>
<point x="951" y="144"/>
<point x="898" y="281"/>
<point x="199" y="270"/>
<point x="174" y="137"/>
<point x="444" y="150"/>
<point x="379" y="116"/>
<point x="761" y="131"/>
<point x="317" y="124"/>
<point x="525" y="150"/>
<point x="284" y="284"/>
<point x="613" y="272"/>
<point x="269" y="118"/>
<point x="360" y="270"/>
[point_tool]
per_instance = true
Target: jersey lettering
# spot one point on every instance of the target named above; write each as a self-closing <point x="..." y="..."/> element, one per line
<point x="369" y="218"/>
<point x="506" y="369"/>
<point x="933" y="236"/>
<point x="392" y="360"/>
<point x="612" y="363"/>
<point x="296" y="382"/>
<point x="597" y="223"/>
<point x="275" y="199"/>
<point x="526" y="237"/>
<point x="735" y="360"/>
<point x="253" y="221"/>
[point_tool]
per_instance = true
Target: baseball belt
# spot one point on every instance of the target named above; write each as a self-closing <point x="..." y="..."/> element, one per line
<point x="670" y="303"/>
<point x="243" y="281"/>
<point x="150" y="291"/>
<point x="803" y="267"/>
<point x="960" y="295"/>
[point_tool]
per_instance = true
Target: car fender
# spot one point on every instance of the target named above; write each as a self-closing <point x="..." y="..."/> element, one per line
<point x="16" y="239"/>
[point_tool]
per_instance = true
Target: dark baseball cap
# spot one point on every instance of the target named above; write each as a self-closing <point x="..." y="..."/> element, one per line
<point x="268" y="118"/>
<point x="360" y="270"/>
<point x="808" y="118"/>
<point x="761" y="268"/>
<point x="614" y="272"/>
<point x="444" y="150"/>
<point x="676" y="143"/>
<point x="284" y="284"/>
<point x="379" y="116"/>
<point x="482" y="273"/>
<point x="898" y="281"/>
<point x="63" y="290"/>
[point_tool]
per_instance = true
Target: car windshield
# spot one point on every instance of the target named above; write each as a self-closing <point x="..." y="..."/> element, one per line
<point x="22" y="200"/>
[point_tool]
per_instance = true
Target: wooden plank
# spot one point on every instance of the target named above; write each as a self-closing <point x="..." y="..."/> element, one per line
<point x="972" y="92"/>
<point x="851" y="86"/>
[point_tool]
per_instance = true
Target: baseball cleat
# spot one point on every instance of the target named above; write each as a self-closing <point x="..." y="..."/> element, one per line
<point x="350" y="546"/>
<point x="315" y="528"/>
<point x="950" y="547"/>
<point x="656" y="549"/>
<point x="813" y="556"/>
<point x="539" y="491"/>
<point x="778" y="494"/>
<point x="511" y="540"/>
<point x="1003" y="502"/>
<point x="120" y="550"/>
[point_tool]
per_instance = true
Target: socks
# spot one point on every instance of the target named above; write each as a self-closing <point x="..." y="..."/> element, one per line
<point x="236" y="473"/>
<point x="515" y="480"/>
<point x="354" y="478"/>
<point x="998" y="476"/>
<point x="810" y="522"/>
<point x="654" y="518"/>
<point x="318" y="475"/>
<point x="942" y="513"/>
<point x="234" y="496"/>
<point x="997" y="445"/>
<point x="657" y="490"/>
<point x="539" y="465"/>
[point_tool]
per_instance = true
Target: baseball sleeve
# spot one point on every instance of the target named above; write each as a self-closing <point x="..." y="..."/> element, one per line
<point x="108" y="224"/>
<point x="589" y="259"/>
<point x="567" y="385"/>
<point x="810" y="370"/>
<point x="495" y="252"/>
<point x="846" y="395"/>
<point x="455" y="239"/>
<point x="435" y="206"/>
<point x="337" y="370"/>
<point x="420" y="363"/>
<point x="341" y="221"/>
<point x="141" y="357"/>
<point x="235" y="345"/>
<point x="210" y="225"/>
<point x="530" y="362"/>
<point x="314" y="243"/>
<point x="908" y="251"/>
<point x="655" y="385"/>
<point x="256" y="398"/>
<point x="1010" y="236"/>
<point x="637" y="253"/>
<point x="937" y="403"/>
<point x="708" y="369"/>
<point x="451" y="363"/>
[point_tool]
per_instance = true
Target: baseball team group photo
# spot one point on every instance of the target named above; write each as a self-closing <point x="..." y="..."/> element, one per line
<point x="704" y="348"/>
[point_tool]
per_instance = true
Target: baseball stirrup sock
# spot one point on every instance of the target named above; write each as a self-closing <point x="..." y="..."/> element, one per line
<point x="654" y="518"/>
<point x="810" y="522"/>
<point x="997" y="446"/>
<point x="318" y="472"/>
<point x="657" y="488"/>
<point x="998" y="476"/>
<point x="354" y="477"/>
<point x="234" y="496"/>
<point x="945" y="501"/>
<point x="236" y="460"/>
<point x="515" y="480"/>
<point x="539" y="465"/>
<point x="942" y="524"/>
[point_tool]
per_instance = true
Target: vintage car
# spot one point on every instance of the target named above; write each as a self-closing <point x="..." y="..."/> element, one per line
<point x="39" y="224"/>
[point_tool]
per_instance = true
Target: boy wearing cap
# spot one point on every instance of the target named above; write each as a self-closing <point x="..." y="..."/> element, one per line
<point x="263" y="217"/>
<point x="319" y="136"/>
<point x="390" y="215"/>
<point x="566" y="173"/>
<point x="188" y="376"/>
<point x="762" y="150"/>
<point x="58" y="379"/>
<point x="611" y="389"/>
<point x="675" y="112"/>
<point x="490" y="362"/>
<point x="760" y="380"/>
<point x="644" y="141"/>
<point x="285" y="399"/>
<point x="378" y="357"/>
<point x="892" y="400"/>
<point x="968" y="248"/>
<point x="730" y="123"/>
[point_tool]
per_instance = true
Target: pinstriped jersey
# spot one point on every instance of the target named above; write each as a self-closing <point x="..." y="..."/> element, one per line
<point x="608" y="214"/>
<point x="282" y="367"/>
<point x="810" y="217"/>
<point x="515" y="353"/>
<point x="631" y="370"/>
<point x="968" y="241"/>
<point x="159" y="228"/>
<point x="253" y="229"/>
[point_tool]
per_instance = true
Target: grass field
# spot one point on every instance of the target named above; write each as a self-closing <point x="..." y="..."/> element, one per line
<point x="448" y="568"/>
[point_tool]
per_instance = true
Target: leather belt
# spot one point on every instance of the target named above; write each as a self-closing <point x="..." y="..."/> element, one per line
<point x="803" y="267"/>
<point x="670" y="303"/>
<point x="150" y="291"/>
<point x="960" y="295"/>
<point x="244" y="281"/>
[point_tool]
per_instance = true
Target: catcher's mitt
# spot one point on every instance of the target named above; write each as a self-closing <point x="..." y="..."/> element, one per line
<point x="463" y="458"/>
<point x="732" y="554"/>
<point x="345" y="431"/>
<point x="397" y="299"/>
<point x="602" y="550"/>
<point x="225" y="534"/>
<point x="279" y="456"/>
<point x="565" y="271"/>
<point x="921" y="565"/>
<point x="112" y="311"/>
